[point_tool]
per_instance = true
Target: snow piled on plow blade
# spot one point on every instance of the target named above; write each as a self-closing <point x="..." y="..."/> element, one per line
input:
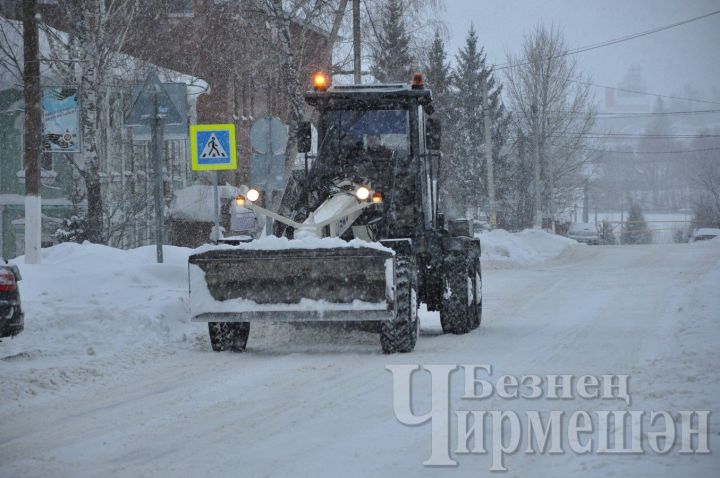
<point x="273" y="243"/>
<point x="276" y="279"/>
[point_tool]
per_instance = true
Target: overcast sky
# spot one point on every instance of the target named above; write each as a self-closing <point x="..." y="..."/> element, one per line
<point x="685" y="55"/>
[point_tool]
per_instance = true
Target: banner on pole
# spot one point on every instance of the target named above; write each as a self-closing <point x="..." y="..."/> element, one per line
<point x="61" y="119"/>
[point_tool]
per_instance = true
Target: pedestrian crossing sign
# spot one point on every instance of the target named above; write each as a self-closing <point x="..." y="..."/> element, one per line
<point x="212" y="147"/>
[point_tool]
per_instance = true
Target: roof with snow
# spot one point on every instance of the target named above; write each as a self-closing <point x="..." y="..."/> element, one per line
<point x="368" y="93"/>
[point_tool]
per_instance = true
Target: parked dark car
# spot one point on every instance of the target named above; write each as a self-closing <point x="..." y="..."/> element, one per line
<point x="12" y="318"/>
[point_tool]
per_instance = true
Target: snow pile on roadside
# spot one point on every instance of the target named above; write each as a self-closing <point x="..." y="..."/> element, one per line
<point x="90" y="308"/>
<point x="527" y="247"/>
<point x="92" y="302"/>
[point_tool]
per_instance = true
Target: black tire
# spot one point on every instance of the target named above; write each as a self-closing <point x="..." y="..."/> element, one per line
<point x="401" y="333"/>
<point x="231" y="336"/>
<point x="476" y="308"/>
<point x="458" y="312"/>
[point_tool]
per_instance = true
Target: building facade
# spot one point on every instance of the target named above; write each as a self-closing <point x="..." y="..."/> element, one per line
<point x="226" y="54"/>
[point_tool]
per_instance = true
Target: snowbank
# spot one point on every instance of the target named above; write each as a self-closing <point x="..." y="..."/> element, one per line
<point x="530" y="246"/>
<point x="88" y="302"/>
<point x="87" y="305"/>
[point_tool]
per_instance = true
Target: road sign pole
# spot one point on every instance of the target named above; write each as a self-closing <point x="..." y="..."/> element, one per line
<point x="216" y="197"/>
<point x="157" y="139"/>
<point x="269" y="220"/>
<point x="154" y="108"/>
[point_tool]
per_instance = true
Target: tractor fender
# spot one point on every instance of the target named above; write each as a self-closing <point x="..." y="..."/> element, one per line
<point x="459" y="244"/>
<point x="402" y="246"/>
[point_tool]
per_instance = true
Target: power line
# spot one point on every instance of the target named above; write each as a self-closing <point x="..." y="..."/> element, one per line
<point x="684" y="151"/>
<point x="638" y="114"/>
<point x="641" y="34"/>
<point x="663" y="152"/>
<point x="648" y="93"/>
<point x="651" y="114"/>
<point x="614" y="41"/>
<point x="620" y="40"/>
<point x="638" y="135"/>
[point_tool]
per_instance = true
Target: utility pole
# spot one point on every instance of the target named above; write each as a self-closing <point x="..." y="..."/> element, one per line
<point x="357" y="50"/>
<point x="157" y="147"/>
<point x="538" y="197"/>
<point x="489" y="153"/>
<point x="551" y="194"/>
<point x="33" y="127"/>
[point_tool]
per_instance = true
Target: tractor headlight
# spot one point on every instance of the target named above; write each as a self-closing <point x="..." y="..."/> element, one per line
<point x="362" y="193"/>
<point x="240" y="200"/>
<point x="253" y="195"/>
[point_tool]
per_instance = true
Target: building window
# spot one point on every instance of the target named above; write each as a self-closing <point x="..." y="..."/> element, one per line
<point x="180" y="8"/>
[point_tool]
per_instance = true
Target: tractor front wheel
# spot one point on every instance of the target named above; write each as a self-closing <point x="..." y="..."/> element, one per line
<point x="400" y="334"/>
<point x="231" y="336"/>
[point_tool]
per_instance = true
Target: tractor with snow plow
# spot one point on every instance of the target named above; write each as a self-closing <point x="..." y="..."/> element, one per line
<point x="360" y="235"/>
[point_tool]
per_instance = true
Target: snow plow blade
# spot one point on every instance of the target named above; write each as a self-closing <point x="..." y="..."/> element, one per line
<point x="240" y="285"/>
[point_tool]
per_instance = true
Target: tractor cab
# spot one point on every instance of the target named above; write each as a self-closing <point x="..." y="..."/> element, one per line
<point x="375" y="136"/>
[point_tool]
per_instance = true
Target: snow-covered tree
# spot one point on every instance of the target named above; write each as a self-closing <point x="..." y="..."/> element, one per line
<point x="392" y="60"/>
<point x="289" y="23"/>
<point x="551" y="104"/>
<point x="437" y="69"/>
<point x="72" y="229"/>
<point x="467" y="162"/>
<point x="635" y="229"/>
<point x="466" y="131"/>
<point x="97" y="31"/>
<point x="11" y="60"/>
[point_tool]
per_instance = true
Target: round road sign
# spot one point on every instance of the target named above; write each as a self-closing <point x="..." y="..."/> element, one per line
<point x="269" y="134"/>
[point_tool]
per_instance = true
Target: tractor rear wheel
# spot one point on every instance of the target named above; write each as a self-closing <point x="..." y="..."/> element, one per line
<point x="400" y="334"/>
<point x="231" y="336"/>
<point x="476" y="307"/>
<point x="458" y="313"/>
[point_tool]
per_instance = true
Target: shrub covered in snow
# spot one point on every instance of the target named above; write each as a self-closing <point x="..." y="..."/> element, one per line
<point x="635" y="229"/>
<point x="73" y="229"/>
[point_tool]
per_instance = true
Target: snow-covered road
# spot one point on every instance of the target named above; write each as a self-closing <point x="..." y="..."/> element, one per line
<point x="319" y="403"/>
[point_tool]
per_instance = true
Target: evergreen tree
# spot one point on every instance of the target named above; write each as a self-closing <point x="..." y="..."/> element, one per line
<point x="392" y="60"/>
<point x="437" y="76"/>
<point x="73" y="229"/>
<point x="635" y="229"/>
<point x="467" y="163"/>
<point x="437" y="68"/>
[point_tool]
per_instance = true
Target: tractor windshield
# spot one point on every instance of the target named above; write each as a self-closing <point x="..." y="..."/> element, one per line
<point x="372" y="135"/>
